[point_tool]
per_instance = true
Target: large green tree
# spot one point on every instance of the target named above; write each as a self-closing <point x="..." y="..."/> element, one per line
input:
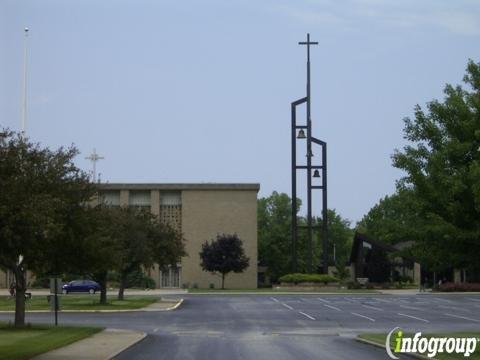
<point x="41" y="194"/>
<point x="340" y="237"/>
<point x="442" y="166"/>
<point x="275" y="236"/>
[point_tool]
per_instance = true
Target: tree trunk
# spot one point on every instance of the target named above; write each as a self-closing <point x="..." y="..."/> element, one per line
<point x="20" y="289"/>
<point x="223" y="281"/>
<point x="103" y="288"/>
<point x="123" y="284"/>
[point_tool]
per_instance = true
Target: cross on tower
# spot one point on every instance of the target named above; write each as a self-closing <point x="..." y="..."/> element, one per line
<point x="94" y="158"/>
<point x="308" y="43"/>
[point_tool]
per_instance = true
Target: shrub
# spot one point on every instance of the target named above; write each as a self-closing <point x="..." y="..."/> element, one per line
<point x="353" y="285"/>
<point x="138" y="279"/>
<point x="41" y="282"/>
<point x="449" y="287"/>
<point x="307" y="278"/>
<point x="405" y="279"/>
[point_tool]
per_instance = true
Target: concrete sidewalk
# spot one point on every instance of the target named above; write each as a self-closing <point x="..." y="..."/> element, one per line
<point x="102" y="346"/>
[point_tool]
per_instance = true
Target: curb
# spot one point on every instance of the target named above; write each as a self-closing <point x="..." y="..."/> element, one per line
<point x="145" y="309"/>
<point x="111" y="356"/>
<point x="177" y="305"/>
<point x="381" y="346"/>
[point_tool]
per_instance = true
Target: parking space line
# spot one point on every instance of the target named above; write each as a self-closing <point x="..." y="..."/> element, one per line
<point x="372" y="307"/>
<point x="308" y="316"/>
<point x="276" y="300"/>
<point x="348" y="299"/>
<point x="411" y="307"/>
<point x="382" y="300"/>
<point x="363" y="316"/>
<point x="443" y="300"/>
<point x="453" y="308"/>
<point x="323" y="300"/>
<point x="287" y="306"/>
<point x="332" y="307"/>
<point x="413" y="317"/>
<point x="462" y="317"/>
<point x="473" y="299"/>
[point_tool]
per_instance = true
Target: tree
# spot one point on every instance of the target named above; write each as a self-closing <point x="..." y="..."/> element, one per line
<point x="41" y="193"/>
<point x="399" y="218"/>
<point x="130" y="233"/>
<point x="275" y="234"/>
<point x="340" y="237"/>
<point x="224" y="255"/>
<point x="125" y="240"/>
<point x="99" y="250"/>
<point x="442" y="165"/>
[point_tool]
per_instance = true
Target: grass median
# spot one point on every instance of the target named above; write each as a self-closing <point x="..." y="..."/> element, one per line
<point x="24" y="343"/>
<point x="381" y="338"/>
<point x="80" y="302"/>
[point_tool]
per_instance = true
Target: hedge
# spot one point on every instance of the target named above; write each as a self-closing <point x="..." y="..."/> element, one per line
<point x="448" y="287"/>
<point x="307" y="278"/>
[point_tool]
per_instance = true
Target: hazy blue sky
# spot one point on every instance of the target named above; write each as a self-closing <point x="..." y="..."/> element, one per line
<point x="200" y="91"/>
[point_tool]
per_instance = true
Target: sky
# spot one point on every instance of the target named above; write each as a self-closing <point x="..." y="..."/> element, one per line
<point x="200" y="91"/>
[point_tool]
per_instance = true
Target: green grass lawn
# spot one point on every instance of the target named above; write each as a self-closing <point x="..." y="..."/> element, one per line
<point x="380" y="339"/>
<point x="80" y="302"/>
<point x="18" y="344"/>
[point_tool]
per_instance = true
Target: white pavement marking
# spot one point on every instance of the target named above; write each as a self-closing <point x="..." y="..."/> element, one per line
<point x="363" y="316"/>
<point x="276" y="300"/>
<point x="462" y="317"/>
<point x="473" y="299"/>
<point x="156" y="329"/>
<point x="443" y="300"/>
<point x="413" y="317"/>
<point x="452" y="307"/>
<point x="349" y="299"/>
<point x="287" y="306"/>
<point x="372" y="307"/>
<point x="323" y="300"/>
<point x="308" y="316"/>
<point x="382" y="300"/>
<point x="411" y="307"/>
<point x="332" y="307"/>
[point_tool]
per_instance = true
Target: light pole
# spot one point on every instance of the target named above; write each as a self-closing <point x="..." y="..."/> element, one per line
<point x="24" y="97"/>
<point x="316" y="174"/>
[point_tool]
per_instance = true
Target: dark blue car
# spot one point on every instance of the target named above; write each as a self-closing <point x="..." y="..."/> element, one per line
<point x="81" y="286"/>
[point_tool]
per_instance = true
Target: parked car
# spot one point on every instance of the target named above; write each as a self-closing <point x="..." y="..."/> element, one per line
<point x="81" y="286"/>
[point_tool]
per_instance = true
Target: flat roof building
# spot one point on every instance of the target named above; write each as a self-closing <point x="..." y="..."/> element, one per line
<point x="199" y="212"/>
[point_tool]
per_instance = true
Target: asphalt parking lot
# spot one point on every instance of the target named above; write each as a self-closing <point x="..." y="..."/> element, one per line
<point x="282" y="326"/>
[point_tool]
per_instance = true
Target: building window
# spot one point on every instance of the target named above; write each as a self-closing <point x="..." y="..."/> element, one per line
<point x="110" y="198"/>
<point x="139" y="199"/>
<point x="171" y="209"/>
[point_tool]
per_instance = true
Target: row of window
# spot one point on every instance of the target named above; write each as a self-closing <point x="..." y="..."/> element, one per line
<point x="142" y="198"/>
